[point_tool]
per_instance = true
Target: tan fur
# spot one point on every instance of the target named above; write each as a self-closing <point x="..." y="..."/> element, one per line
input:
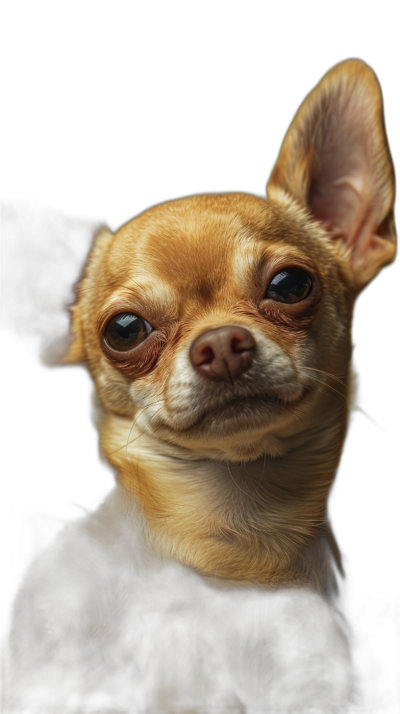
<point x="243" y="495"/>
<point x="257" y="522"/>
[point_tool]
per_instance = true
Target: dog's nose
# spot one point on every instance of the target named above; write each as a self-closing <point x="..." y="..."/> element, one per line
<point x="223" y="354"/>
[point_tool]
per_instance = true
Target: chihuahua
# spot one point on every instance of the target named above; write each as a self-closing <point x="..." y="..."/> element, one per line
<point x="217" y="329"/>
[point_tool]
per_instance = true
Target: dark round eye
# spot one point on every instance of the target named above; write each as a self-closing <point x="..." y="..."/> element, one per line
<point x="289" y="285"/>
<point x="126" y="331"/>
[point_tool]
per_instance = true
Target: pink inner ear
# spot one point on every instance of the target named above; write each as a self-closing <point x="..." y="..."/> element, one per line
<point x="340" y="193"/>
<point x="347" y="180"/>
<point x="335" y="160"/>
<point x="339" y="207"/>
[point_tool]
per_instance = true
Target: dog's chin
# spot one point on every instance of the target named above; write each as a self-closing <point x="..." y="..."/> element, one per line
<point x="247" y="445"/>
<point x="241" y="430"/>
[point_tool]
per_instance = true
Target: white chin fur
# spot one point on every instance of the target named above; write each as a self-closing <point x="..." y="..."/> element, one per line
<point x="246" y="435"/>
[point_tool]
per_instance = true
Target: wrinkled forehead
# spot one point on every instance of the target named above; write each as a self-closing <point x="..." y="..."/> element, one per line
<point x="197" y="253"/>
<point x="200" y="245"/>
<point x="191" y="243"/>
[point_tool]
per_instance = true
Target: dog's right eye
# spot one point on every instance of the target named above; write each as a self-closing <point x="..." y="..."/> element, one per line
<point x="126" y="331"/>
<point x="290" y="286"/>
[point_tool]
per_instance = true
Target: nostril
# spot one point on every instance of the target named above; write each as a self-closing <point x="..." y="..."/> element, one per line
<point x="204" y="355"/>
<point x="242" y="343"/>
<point x="238" y="347"/>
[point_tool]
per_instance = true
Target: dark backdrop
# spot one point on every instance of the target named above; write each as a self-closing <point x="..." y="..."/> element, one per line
<point x="104" y="124"/>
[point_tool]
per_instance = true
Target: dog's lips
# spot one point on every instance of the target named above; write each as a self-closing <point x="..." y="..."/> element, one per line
<point x="243" y="412"/>
<point x="232" y="407"/>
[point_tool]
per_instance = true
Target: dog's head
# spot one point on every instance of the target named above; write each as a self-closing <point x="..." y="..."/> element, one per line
<point x="213" y="320"/>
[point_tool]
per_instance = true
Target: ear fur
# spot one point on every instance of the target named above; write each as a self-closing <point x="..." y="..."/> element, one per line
<point x="335" y="161"/>
<point x="62" y="350"/>
<point x="43" y="255"/>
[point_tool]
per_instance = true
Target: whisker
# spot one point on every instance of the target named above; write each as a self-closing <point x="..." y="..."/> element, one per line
<point x="128" y="442"/>
<point x="328" y="386"/>
<point x="133" y="281"/>
<point x="263" y="470"/>
<point x="294" y="411"/>
<point x="240" y="489"/>
<point x="131" y="441"/>
<point x="322" y="391"/>
<point x="327" y="374"/>
<point x="133" y="424"/>
<point x="354" y="405"/>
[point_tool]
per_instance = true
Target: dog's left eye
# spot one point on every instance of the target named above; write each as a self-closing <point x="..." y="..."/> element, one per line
<point x="126" y="331"/>
<point x="289" y="285"/>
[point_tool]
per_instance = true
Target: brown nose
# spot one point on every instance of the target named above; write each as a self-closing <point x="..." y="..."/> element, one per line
<point x="223" y="354"/>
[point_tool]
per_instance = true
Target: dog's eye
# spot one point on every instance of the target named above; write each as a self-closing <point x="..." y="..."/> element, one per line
<point x="126" y="331"/>
<point x="289" y="285"/>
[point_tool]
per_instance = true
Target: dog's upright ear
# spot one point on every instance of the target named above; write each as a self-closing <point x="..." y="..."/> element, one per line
<point x="42" y="253"/>
<point x="335" y="161"/>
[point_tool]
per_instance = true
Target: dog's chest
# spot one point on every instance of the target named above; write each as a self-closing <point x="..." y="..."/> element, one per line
<point x="215" y="520"/>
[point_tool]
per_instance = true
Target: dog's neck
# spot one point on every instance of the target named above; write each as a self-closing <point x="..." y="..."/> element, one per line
<point x="262" y="521"/>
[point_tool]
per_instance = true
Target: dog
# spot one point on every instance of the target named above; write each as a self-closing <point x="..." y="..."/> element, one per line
<point x="217" y="330"/>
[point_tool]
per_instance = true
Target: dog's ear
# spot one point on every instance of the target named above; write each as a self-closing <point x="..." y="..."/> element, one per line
<point x="335" y="161"/>
<point x="42" y="256"/>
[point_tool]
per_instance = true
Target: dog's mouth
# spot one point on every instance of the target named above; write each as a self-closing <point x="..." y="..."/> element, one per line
<point x="241" y="406"/>
<point x="242" y="413"/>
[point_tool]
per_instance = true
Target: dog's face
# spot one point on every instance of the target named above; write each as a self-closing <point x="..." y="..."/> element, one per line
<point x="215" y="320"/>
<point x="207" y="318"/>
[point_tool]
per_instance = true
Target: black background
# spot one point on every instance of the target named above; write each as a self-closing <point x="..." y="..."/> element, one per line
<point x="103" y="122"/>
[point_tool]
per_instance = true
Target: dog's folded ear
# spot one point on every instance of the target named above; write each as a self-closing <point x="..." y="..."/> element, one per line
<point x="335" y="161"/>
<point x="42" y="252"/>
